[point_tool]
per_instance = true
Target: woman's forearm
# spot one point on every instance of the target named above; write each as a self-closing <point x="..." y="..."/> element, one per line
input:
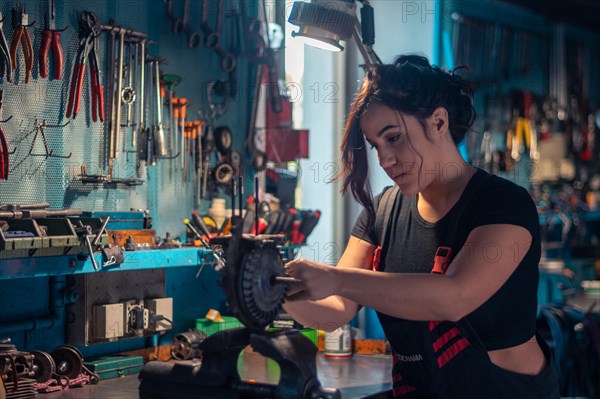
<point x="325" y="314"/>
<point x="407" y="296"/>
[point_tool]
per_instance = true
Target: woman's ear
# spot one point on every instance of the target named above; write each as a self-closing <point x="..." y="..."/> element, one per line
<point x="439" y="122"/>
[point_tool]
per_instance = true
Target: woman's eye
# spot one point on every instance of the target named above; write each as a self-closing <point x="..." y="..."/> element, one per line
<point x="394" y="138"/>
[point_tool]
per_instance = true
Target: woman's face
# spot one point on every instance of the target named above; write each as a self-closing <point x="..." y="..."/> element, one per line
<point x="403" y="150"/>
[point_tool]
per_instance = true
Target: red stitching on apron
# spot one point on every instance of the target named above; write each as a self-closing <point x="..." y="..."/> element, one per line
<point x="403" y="390"/>
<point x="452" y="351"/>
<point x="397" y="377"/>
<point x="434" y="324"/>
<point x="445" y="338"/>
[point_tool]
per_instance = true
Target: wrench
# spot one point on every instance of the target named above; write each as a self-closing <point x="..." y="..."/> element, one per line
<point x="177" y="27"/>
<point x="212" y="38"/>
<point x="193" y="36"/>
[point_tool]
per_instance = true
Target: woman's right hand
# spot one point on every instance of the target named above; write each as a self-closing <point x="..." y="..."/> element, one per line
<point x="317" y="280"/>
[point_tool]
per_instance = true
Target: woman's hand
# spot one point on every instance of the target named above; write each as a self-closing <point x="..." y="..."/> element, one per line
<point x="317" y="280"/>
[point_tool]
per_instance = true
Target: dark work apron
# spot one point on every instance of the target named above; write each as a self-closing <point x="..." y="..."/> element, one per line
<point x="446" y="360"/>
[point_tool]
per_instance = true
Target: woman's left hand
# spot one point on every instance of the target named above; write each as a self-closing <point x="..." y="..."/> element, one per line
<point x="317" y="280"/>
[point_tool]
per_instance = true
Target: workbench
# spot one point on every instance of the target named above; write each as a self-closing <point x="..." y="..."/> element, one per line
<point x="356" y="377"/>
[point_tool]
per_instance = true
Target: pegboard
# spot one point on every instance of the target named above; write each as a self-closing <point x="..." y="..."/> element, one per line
<point x="40" y="179"/>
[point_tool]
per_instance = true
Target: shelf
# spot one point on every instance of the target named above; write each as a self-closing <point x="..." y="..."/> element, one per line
<point x="67" y="265"/>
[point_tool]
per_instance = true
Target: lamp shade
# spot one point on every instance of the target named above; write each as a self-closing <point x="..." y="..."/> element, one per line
<point x="324" y="23"/>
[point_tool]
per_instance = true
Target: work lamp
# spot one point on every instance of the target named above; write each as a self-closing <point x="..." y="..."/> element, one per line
<point x="325" y="23"/>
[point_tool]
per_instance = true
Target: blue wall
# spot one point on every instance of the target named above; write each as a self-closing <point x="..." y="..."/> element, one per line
<point x="51" y="180"/>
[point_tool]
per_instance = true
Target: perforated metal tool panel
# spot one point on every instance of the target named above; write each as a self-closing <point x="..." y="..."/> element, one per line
<point x="41" y="179"/>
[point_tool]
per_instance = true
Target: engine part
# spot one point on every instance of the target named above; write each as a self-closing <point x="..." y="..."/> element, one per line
<point x="223" y="173"/>
<point x="248" y="280"/>
<point x="69" y="361"/>
<point x="223" y="139"/>
<point x="185" y="345"/>
<point x="44" y="366"/>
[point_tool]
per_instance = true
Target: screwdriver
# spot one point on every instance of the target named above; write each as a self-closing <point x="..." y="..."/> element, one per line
<point x="182" y="115"/>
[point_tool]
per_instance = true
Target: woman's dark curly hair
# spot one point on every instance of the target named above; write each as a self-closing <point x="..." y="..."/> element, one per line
<point x="412" y="86"/>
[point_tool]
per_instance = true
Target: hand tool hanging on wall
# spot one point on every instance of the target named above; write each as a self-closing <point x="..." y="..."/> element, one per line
<point x="128" y="94"/>
<point x="5" y="58"/>
<point x="180" y="116"/>
<point x="118" y="95"/>
<point x="89" y="30"/>
<point x="141" y="124"/>
<point x="4" y="149"/>
<point x="159" y="132"/>
<point x="183" y="25"/>
<point x="170" y="82"/>
<point x="4" y="156"/>
<point x="39" y="130"/>
<point x="212" y="38"/>
<point x="21" y="35"/>
<point x="115" y="89"/>
<point x="51" y="38"/>
<point x="176" y="28"/>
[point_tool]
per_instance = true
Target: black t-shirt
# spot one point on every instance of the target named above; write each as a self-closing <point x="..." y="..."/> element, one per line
<point x="508" y="318"/>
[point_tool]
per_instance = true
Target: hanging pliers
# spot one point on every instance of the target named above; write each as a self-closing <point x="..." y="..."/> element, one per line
<point x="51" y="37"/>
<point x="4" y="150"/>
<point x="21" y="34"/>
<point x="5" y="61"/>
<point x="89" y="30"/>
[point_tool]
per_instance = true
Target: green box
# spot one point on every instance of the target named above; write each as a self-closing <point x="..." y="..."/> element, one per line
<point x="210" y="327"/>
<point x="115" y="366"/>
<point x="309" y="333"/>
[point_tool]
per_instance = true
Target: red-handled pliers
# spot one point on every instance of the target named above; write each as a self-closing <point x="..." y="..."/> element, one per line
<point x="21" y="34"/>
<point x="89" y="30"/>
<point x="4" y="150"/>
<point x="51" y="38"/>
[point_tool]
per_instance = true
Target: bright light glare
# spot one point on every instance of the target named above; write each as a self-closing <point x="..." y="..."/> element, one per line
<point x="319" y="43"/>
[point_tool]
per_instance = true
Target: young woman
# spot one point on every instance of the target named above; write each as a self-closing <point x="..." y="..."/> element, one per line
<point x="468" y="330"/>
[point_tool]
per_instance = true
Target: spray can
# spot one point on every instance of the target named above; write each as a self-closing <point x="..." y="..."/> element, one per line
<point x="338" y="343"/>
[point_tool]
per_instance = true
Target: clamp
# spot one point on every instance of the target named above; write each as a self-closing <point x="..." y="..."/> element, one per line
<point x="20" y="24"/>
<point x="51" y="38"/>
<point x="89" y="30"/>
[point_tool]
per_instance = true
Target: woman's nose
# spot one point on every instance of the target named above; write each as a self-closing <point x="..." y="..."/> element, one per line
<point x="387" y="159"/>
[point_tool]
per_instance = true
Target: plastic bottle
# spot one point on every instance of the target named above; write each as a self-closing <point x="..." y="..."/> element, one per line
<point x="338" y="343"/>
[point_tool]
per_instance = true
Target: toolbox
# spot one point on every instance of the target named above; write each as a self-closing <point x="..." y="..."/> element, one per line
<point x="115" y="366"/>
<point x="22" y="234"/>
<point x="58" y="232"/>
